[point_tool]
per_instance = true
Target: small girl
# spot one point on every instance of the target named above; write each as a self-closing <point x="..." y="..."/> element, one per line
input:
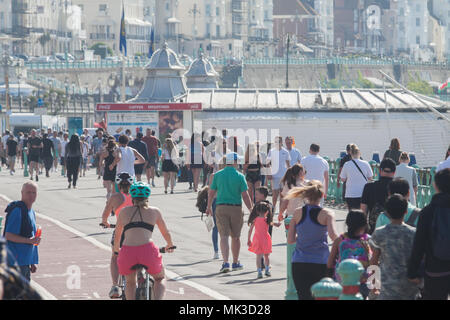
<point x="260" y="220"/>
<point x="352" y="245"/>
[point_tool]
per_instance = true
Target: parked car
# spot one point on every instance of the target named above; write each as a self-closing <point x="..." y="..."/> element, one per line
<point x="62" y="57"/>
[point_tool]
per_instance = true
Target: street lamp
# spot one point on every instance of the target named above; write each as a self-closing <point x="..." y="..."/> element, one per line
<point x="130" y="82"/>
<point x="100" y="93"/>
<point x="66" y="85"/>
<point x="111" y="83"/>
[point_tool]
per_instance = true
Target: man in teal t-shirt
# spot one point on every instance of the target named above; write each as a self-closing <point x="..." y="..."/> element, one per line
<point x="231" y="188"/>
<point x="400" y="186"/>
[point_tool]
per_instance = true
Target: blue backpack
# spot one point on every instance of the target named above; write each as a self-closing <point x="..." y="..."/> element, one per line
<point x="441" y="233"/>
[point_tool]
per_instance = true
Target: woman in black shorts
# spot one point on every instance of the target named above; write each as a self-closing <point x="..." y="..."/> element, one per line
<point x="252" y="167"/>
<point x="195" y="160"/>
<point x="169" y="166"/>
<point x="109" y="176"/>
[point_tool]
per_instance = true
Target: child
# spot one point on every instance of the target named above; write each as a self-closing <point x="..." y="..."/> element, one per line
<point x="260" y="220"/>
<point x="261" y="195"/>
<point x="392" y="246"/>
<point x="352" y="245"/>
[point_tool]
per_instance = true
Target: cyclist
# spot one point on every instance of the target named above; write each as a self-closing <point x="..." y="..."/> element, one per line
<point x="134" y="232"/>
<point x="117" y="202"/>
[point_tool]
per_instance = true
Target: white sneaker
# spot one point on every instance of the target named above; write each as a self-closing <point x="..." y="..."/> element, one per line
<point x="216" y="256"/>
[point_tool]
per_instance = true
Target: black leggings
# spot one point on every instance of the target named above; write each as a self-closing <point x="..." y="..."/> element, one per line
<point x="305" y="275"/>
<point x="73" y="164"/>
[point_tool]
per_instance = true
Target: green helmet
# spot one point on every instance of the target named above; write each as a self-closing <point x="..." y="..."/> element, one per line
<point x="140" y="190"/>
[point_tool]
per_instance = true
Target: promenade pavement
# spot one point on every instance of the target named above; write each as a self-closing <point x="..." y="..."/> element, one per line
<point x="73" y="243"/>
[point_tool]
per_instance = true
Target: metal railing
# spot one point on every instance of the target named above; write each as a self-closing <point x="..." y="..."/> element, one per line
<point x="105" y="64"/>
<point x="424" y="193"/>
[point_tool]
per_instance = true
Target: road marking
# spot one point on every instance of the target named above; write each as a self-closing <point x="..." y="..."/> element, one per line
<point x="42" y="291"/>
<point x="96" y="295"/>
<point x="172" y="275"/>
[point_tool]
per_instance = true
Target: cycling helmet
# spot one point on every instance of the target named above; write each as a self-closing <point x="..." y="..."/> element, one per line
<point x="140" y="190"/>
<point x="124" y="178"/>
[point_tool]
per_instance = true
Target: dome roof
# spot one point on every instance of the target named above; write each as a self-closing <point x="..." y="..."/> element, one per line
<point x="201" y="67"/>
<point x="164" y="58"/>
<point x="165" y="81"/>
<point x="201" y="74"/>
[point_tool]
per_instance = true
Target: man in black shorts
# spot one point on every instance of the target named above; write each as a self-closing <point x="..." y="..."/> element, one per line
<point x="34" y="151"/>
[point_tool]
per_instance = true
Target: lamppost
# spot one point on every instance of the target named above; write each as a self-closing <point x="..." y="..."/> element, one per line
<point x="87" y="101"/>
<point x="66" y="85"/>
<point x="111" y="83"/>
<point x="50" y="96"/>
<point x="288" y="42"/>
<point x="130" y="82"/>
<point x="73" y="97"/>
<point x="19" y="77"/>
<point x="100" y="93"/>
<point x="7" y="62"/>
<point x="54" y="95"/>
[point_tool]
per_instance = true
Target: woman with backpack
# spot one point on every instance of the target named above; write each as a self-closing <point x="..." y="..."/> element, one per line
<point x="354" y="244"/>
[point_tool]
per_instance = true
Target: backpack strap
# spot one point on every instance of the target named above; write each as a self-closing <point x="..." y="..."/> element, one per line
<point x="26" y="229"/>
<point x="359" y="169"/>
<point x="413" y="217"/>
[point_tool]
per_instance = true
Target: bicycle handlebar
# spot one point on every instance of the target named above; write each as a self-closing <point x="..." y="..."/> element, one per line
<point x="162" y="250"/>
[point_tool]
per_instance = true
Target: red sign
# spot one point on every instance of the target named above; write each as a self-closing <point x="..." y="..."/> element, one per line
<point x="148" y="106"/>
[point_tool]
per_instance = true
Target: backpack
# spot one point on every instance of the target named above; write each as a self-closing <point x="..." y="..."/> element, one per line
<point x="373" y="216"/>
<point x="354" y="249"/>
<point x="26" y="229"/>
<point x="440" y="234"/>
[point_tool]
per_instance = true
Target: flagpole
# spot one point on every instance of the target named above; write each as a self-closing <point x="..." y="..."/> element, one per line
<point x="122" y="28"/>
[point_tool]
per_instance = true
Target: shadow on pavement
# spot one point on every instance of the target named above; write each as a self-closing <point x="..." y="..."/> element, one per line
<point x="189" y="264"/>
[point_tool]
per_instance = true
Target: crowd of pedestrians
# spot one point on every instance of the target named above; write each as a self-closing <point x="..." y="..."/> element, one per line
<point x="384" y="226"/>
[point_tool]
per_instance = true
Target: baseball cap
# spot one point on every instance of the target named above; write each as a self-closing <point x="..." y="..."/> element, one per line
<point x="233" y="157"/>
<point x="388" y="166"/>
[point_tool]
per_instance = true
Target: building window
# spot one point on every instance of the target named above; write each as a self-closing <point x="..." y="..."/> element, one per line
<point x="208" y="10"/>
<point x="217" y="11"/>
<point x="102" y="8"/>
<point x="417" y="22"/>
<point x="81" y="7"/>
<point x="217" y="31"/>
<point x="418" y="7"/>
<point x="40" y="9"/>
<point x="417" y="39"/>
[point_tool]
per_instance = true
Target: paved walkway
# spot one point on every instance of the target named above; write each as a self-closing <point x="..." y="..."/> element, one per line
<point x="63" y="255"/>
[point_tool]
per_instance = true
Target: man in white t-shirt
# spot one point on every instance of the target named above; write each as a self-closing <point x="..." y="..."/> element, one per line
<point x="279" y="161"/>
<point x="355" y="173"/>
<point x="294" y="153"/>
<point x="316" y="167"/>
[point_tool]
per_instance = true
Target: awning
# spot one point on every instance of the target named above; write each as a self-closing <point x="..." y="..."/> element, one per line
<point x="137" y="22"/>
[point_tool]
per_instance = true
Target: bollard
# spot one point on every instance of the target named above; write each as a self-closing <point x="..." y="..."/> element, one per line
<point x="291" y="292"/>
<point x="376" y="157"/>
<point x="25" y="162"/>
<point x="350" y="271"/>
<point x="326" y="289"/>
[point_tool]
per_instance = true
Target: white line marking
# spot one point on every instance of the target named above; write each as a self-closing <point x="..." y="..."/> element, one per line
<point x="42" y="291"/>
<point x="96" y="295"/>
<point x="98" y="244"/>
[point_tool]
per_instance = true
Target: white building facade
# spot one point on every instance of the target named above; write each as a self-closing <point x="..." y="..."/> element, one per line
<point x="101" y="22"/>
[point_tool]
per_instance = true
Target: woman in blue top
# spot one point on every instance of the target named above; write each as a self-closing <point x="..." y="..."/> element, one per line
<point x="309" y="230"/>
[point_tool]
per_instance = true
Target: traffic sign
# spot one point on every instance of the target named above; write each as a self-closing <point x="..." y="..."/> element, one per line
<point x="40" y="102"/>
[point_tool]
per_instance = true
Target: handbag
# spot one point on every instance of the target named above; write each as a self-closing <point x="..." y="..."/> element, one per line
<point x="209" y="222"/>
